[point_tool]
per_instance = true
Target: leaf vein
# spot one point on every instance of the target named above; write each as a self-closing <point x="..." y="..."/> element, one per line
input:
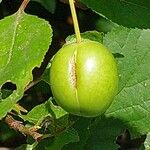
<point x="124" y="1"/>
<point x="13" y="38"/>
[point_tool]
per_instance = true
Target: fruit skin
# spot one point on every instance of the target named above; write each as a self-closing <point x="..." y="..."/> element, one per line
<point x="84" y="78"/>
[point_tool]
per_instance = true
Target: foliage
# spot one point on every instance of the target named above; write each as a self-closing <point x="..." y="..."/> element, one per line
<point x="125" y="12"/>
<point x="25" y="46"/>
<point x="133" y="45"/>
<point x="17" y="49"/>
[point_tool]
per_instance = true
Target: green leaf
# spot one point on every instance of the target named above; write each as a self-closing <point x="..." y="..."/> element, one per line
<point x="91" y="35"/>
<point x="130" y="13"/>
<point x="147" y="142"/>
<point x="24" y="42"/>
<point x="82" y="127"/>
<point x="46" y="75"/>
<point x="64" y="138"/>
<point x="27" y="147"/>
<point x="104" y="25"/>
<point x="40" y="112"/>
<point x="131" y="105"/>
<point x="50" y="5"/>
<point x="104" y="132"/>
<point x="67" y="136"/>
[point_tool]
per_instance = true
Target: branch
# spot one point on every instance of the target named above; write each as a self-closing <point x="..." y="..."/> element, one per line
<point x="31" y="84"/>
<point x="18" y="126"/>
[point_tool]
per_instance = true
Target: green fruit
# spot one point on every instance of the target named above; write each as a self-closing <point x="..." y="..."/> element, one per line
<point x="83" y="78"/>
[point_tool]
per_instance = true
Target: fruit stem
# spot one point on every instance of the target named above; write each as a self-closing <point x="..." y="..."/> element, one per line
<point x="75" y="21"/>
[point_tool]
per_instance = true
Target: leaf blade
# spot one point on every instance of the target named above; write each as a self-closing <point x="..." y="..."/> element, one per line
<point x="132" y="102"/>
<point x="128" y="13"/>
<point x="24" y="42"/>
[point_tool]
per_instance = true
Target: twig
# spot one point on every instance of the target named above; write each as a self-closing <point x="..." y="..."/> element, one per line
<point x="31" y="84"/>
<point x="18" y="126"/>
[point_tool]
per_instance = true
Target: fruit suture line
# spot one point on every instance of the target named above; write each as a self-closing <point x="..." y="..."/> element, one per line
<point x="73" y="75"/>
<point x="72" y="70"/>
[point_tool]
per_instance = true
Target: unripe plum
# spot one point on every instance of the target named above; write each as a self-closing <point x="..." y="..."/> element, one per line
<point x="84" y="78"/>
